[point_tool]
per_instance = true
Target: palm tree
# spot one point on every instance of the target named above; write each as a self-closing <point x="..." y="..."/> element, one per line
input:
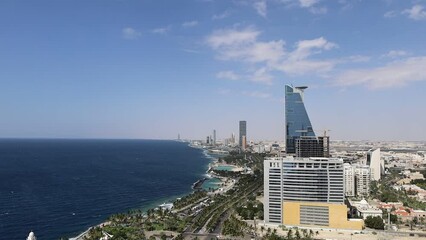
<point x="304" y="233"/>
<point x="297" y="234"/>
<point x="262" y="228"/>
<point x="311" y="233"/>
<point x="290" y="234"/>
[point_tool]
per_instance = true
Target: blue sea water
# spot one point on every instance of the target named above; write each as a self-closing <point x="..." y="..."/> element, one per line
<point x="61" y="187"/>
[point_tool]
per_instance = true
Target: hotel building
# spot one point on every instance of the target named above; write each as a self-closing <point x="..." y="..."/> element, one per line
<point x="306" y="192"/>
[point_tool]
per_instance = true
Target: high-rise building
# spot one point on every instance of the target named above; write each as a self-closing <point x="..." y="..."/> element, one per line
<point x="296" y="118"/>
<point x="243" y="132"/>
<point x="244" y="145"/>
<point x="362" y="180"/>
<point x="214" y="137"/>
<point x="375" y="163"/>
<point x="313" y="146"/>
<point x="306" y="192"/>
<point x="349" y="179"/>
<point x="357" y="180"/>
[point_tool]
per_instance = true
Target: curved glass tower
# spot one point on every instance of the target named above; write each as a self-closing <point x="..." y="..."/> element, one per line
<point x="296" y="118"/>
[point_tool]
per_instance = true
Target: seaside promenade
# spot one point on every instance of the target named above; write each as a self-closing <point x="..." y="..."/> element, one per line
<point x="190" y="216"/>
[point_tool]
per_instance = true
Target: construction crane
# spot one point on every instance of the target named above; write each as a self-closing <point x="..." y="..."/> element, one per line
<point x="326" y="131"/>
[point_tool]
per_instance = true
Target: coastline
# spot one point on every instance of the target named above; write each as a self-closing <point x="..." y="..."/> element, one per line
<point x="211" y="165"/>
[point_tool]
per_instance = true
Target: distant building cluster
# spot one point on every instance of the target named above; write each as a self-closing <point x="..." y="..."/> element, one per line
<point x="358" y="176"/>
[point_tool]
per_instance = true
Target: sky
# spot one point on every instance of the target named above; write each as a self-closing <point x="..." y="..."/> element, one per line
<point x="154" y="68"/>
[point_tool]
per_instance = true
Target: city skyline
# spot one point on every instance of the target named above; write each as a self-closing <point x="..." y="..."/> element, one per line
<point x="153" y="69"/>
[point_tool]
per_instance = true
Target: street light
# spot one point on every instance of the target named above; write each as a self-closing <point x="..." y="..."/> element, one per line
<point x="389" y="223"/>
<point x="255" y="229"/>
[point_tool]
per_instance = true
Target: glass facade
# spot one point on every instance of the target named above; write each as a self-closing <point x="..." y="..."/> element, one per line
<point x="296" y="117"/>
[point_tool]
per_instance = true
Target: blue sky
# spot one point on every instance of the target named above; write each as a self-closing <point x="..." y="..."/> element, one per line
<point x="156" y="68"/>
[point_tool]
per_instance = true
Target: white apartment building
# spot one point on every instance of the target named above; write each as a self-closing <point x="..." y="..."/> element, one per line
<point x="357" y="180"/>
<point x="363" y="176"/>
<point x="349" y="178"/>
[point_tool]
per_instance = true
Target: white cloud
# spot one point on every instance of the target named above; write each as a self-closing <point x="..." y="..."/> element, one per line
<point x="311" y="5"/>
<point x="395" y="54"/>
<point x="357" y="59"/>
<point x="262" y="76"/>
<point x="390" y="14"/>
<point x="307" y="3"/>
<point x="161" y="30"/>
<point x="190" y="24"/>
<point x="306" y="48"/>
<point x="417" y="12"/>
<point x="256" y="52"/>
<point x="223" y="15"/>
<point x="229" y="37"/>
<point x="260" y="7"/>
<point x="188" y="50"/>
<point x="318" y="10"/>
<point x="231" y="75"/>
<point x="243" y="46"/>
<point x="298" y="63"/>
<point x="394" y="74"/>
<point x="301" y="67"/>
<point x="346" y="5"/>
<point x="130" y="33"/>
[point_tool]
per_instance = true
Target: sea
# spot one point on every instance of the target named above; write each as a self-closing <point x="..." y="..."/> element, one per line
<point x="60" y="187"/>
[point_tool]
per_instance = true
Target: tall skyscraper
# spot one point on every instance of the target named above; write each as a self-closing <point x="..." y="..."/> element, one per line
<point x="375" y="163"/>
<point x="306" y="192"/>
<point x="243" y="132"/>
<point x="296" y="118"/>
<point x="214" y="137"/>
